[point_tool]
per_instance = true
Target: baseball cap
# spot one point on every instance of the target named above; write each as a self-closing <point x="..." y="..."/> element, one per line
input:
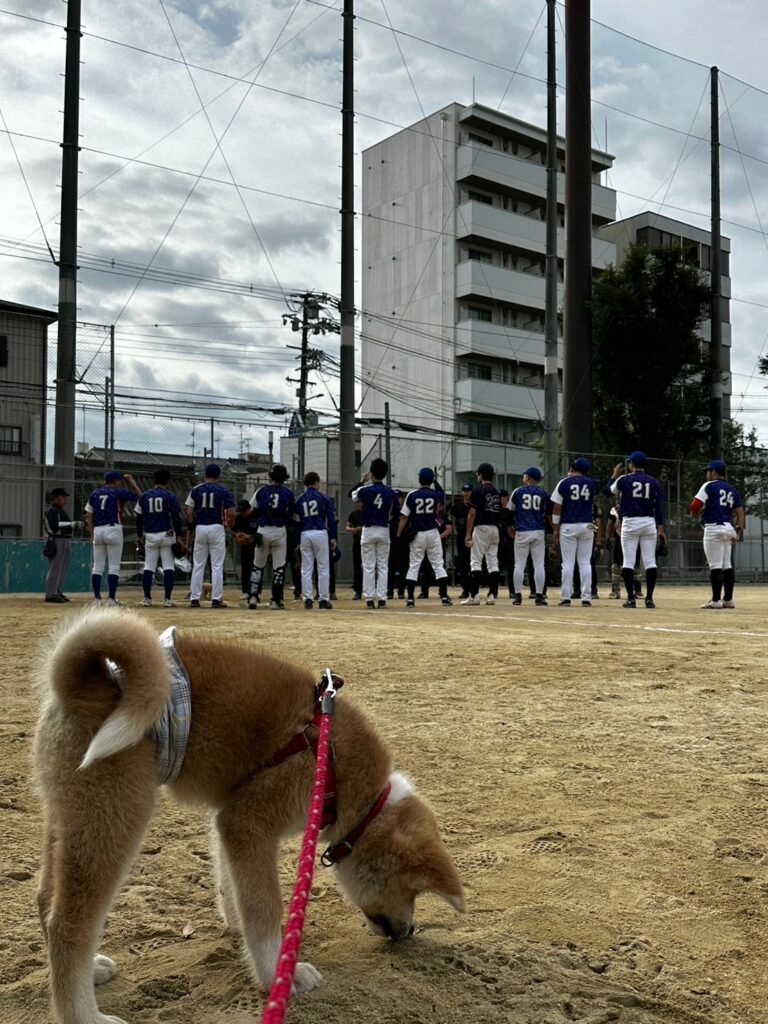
<point x="466" y="487"/>
<point x="212" y="469"/>
<point x="426" y="475"/>
<point x="485" y="469"/>
<point x="582" y="465"/>
<point x="279" y="473"/>
<point x="336" y="554"/>
<point x="638" y="458"/>
<point x="59" y="492"/>
<point x="534" y="472"/>
<point x="113" y="474"/>
<point x="718" y="465"/>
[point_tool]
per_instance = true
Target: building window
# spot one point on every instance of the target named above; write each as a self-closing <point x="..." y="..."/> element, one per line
<point x="479" y="371"/>
<point x="10" y="440"/>
<point x="480" y="429"/>
<point x="481" y="255"/>
<point x="482" y="139"/>
<point x="10" y="530"/>
<point x="479" y="197"/>
<point x="478" y="313"/>
<point x="3" y="350"/>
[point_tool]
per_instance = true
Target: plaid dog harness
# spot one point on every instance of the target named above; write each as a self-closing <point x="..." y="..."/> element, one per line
<point x="170" y="733"/>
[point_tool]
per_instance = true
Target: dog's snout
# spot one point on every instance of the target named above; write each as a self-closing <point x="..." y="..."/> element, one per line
<point x="394" y="930"/>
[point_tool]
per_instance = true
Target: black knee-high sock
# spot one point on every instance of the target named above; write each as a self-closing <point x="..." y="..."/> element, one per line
<point x="475" y="579"/>
<point x="442" y="587"/>
<point x="169" y="578"/>
<point x="628" y="576"/>
<point x="716" y="578"/>
<point x="493" y="583"/>
<point x="650" y="582"/>
<point x="729" y="579"/>
<point x="410" y="586"/>
<point x="278" y="577"/>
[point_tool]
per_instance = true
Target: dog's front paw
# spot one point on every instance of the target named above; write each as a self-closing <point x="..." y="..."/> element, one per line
<point x="104" y="969"/>
<point x="306" y="978"/>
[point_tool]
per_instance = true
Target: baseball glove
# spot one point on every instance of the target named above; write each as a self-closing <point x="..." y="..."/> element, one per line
<point x="179" y="549"/>
<point x="258" y="540"/>
<point x="662" y="548"/>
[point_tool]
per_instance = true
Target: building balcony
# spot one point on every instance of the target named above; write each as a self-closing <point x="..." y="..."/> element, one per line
<point x="483" y="280"/>
<point x="475" y="337"/>
<point x="493" y="399"/>
<point x="478" y="220"/>
<point x="496" y="167"/>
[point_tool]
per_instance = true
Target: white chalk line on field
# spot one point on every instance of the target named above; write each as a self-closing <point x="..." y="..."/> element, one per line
<point x="548" y="621"/>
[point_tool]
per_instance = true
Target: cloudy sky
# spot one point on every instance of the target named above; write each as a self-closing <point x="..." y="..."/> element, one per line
<point x="156" y="189"/>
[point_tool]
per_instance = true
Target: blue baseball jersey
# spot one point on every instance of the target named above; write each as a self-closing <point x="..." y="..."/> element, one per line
<point x="377" y="501"/>
<point x="160" y="511"/>
<point x="316" y="511"/>
<point x="576" y="496"/>
<point x="640" y="496"/>
<point x="486" y="502"/>
<point x="421" y="507"/>
<point x="210" y="501"/>
<point x="273" y="504"/>
<point x="106" y="504"/>
<point x="529" y="507"/>
<point x="720" y="499"/>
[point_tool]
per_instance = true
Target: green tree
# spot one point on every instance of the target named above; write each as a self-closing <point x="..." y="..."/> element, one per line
<point x="650" y="378"/>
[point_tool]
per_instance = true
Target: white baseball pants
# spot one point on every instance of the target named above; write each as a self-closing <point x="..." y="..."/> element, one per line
<point x="718" y="546"/>
<point x="426" y="542"/>
<point x="639" y="531"/>
<point x="107" y="547"/>
<point x="157" y="547"/>
<point x="210" y="541"/>
<point x="529" y="542"/>
<point x="374" y="554"/>
<point x="273" y="542"/>
<point x="315" y="548"/>
<point x="576" y="542"/>
<point x="485" y="545"/>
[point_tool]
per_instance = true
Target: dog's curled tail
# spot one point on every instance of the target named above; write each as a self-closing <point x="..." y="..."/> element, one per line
<point x="102" y="649"/>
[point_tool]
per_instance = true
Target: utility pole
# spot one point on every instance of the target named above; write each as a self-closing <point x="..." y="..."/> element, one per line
<point x="64" y="443"/>
<point x="387" y="440"/>
<point x="347" y="468"/>
<point x="716" y="311"/>
<point x="577" y="384"/>
<point x="271" y="443"/>
<point x="212" y="432"/>
<point x="302" y="389"/>
<point x="112" y="397"/>
<point x="551" y="382"/>
<point x="107" y="392"/>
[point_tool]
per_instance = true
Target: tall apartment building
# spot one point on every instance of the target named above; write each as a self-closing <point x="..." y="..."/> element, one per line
<point x="653" y="230"/>
<point x="453" y="263"/>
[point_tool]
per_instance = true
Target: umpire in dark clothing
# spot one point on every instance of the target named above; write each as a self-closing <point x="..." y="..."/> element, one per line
<point x="244" y="530"/>
<point x="458" y="513"/>
<point x="58" y="528"/>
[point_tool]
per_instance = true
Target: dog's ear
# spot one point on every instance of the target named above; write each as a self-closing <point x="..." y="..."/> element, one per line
<point x="443" y="879"/>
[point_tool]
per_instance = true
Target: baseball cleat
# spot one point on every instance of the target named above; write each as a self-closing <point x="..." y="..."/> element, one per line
<point x="169" y="603"/>
<point x="308" y="604"/>
<point x="565" y="603"/>
<point x="490" y="599"/>
<point x="540" y="599"/>
<point x="194" y="604"/>
<point x="713" y="604"/>
<point x="446" y="602"/>
<point x="410" y="603"/>
<point x="325" y="605"/>
<point x="471" y="600"/>
<point x="650" y="603"/>
<point x="586" y="604"/>
<point x="147" y="602"/>
<point x="114" y="603"/>
<point x="614" y="596"/>
<point x="370" y="604"/>
<point x="629" y="603"/>
<point x="277" y="606"/>
<point x="253" y="603"/>
<point x="219" y="604"/>
<point x="382" y="604"/>
<point x="729" y="604"/>
<point x="518" y="599"/>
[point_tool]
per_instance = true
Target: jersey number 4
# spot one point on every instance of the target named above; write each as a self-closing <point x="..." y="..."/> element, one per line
<point x="726" y="499"/>
<point x="578" y="491"/>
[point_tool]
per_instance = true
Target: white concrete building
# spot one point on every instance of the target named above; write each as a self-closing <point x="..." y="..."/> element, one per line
<point x="654" y="230"/>
<point x="453" y="262"/>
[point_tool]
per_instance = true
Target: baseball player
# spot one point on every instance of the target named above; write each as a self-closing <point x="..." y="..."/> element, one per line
<point x="58" y="528"/>
<point x="104" y="521"/>
<point x="483" y="535"/>
<point x="613" y="545"/>
<point x="574" y="526"/>
<point x="158" y="524"/>
<point x="529" y="504"/>
<point x="210" y="509"/>
<point x="642" y="520"/>
<point x="717" y="502"/>
<point x="419" y="512"/>
<point x="274" y="508"/>
<point x="317" y="527"/>
<point x="457" y="515"/>
<point x="376" y="502"/>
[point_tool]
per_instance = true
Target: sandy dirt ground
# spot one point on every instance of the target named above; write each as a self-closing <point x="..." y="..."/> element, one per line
<point x="601" y="779"/>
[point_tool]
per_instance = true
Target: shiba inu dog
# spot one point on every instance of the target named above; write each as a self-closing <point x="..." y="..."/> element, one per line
<point x="107" y="684"/>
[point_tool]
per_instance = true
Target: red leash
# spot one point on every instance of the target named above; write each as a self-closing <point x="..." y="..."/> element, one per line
<point x="280" y="993"/>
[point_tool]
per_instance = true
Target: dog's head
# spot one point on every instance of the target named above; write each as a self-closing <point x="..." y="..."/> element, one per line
<point x="399" y="857"/>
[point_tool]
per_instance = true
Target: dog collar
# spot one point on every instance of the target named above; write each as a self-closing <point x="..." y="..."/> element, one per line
<point x="341" y="850"/>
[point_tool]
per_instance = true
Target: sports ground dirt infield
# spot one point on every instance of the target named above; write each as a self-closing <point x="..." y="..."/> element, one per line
<point x="601" y="779"/>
